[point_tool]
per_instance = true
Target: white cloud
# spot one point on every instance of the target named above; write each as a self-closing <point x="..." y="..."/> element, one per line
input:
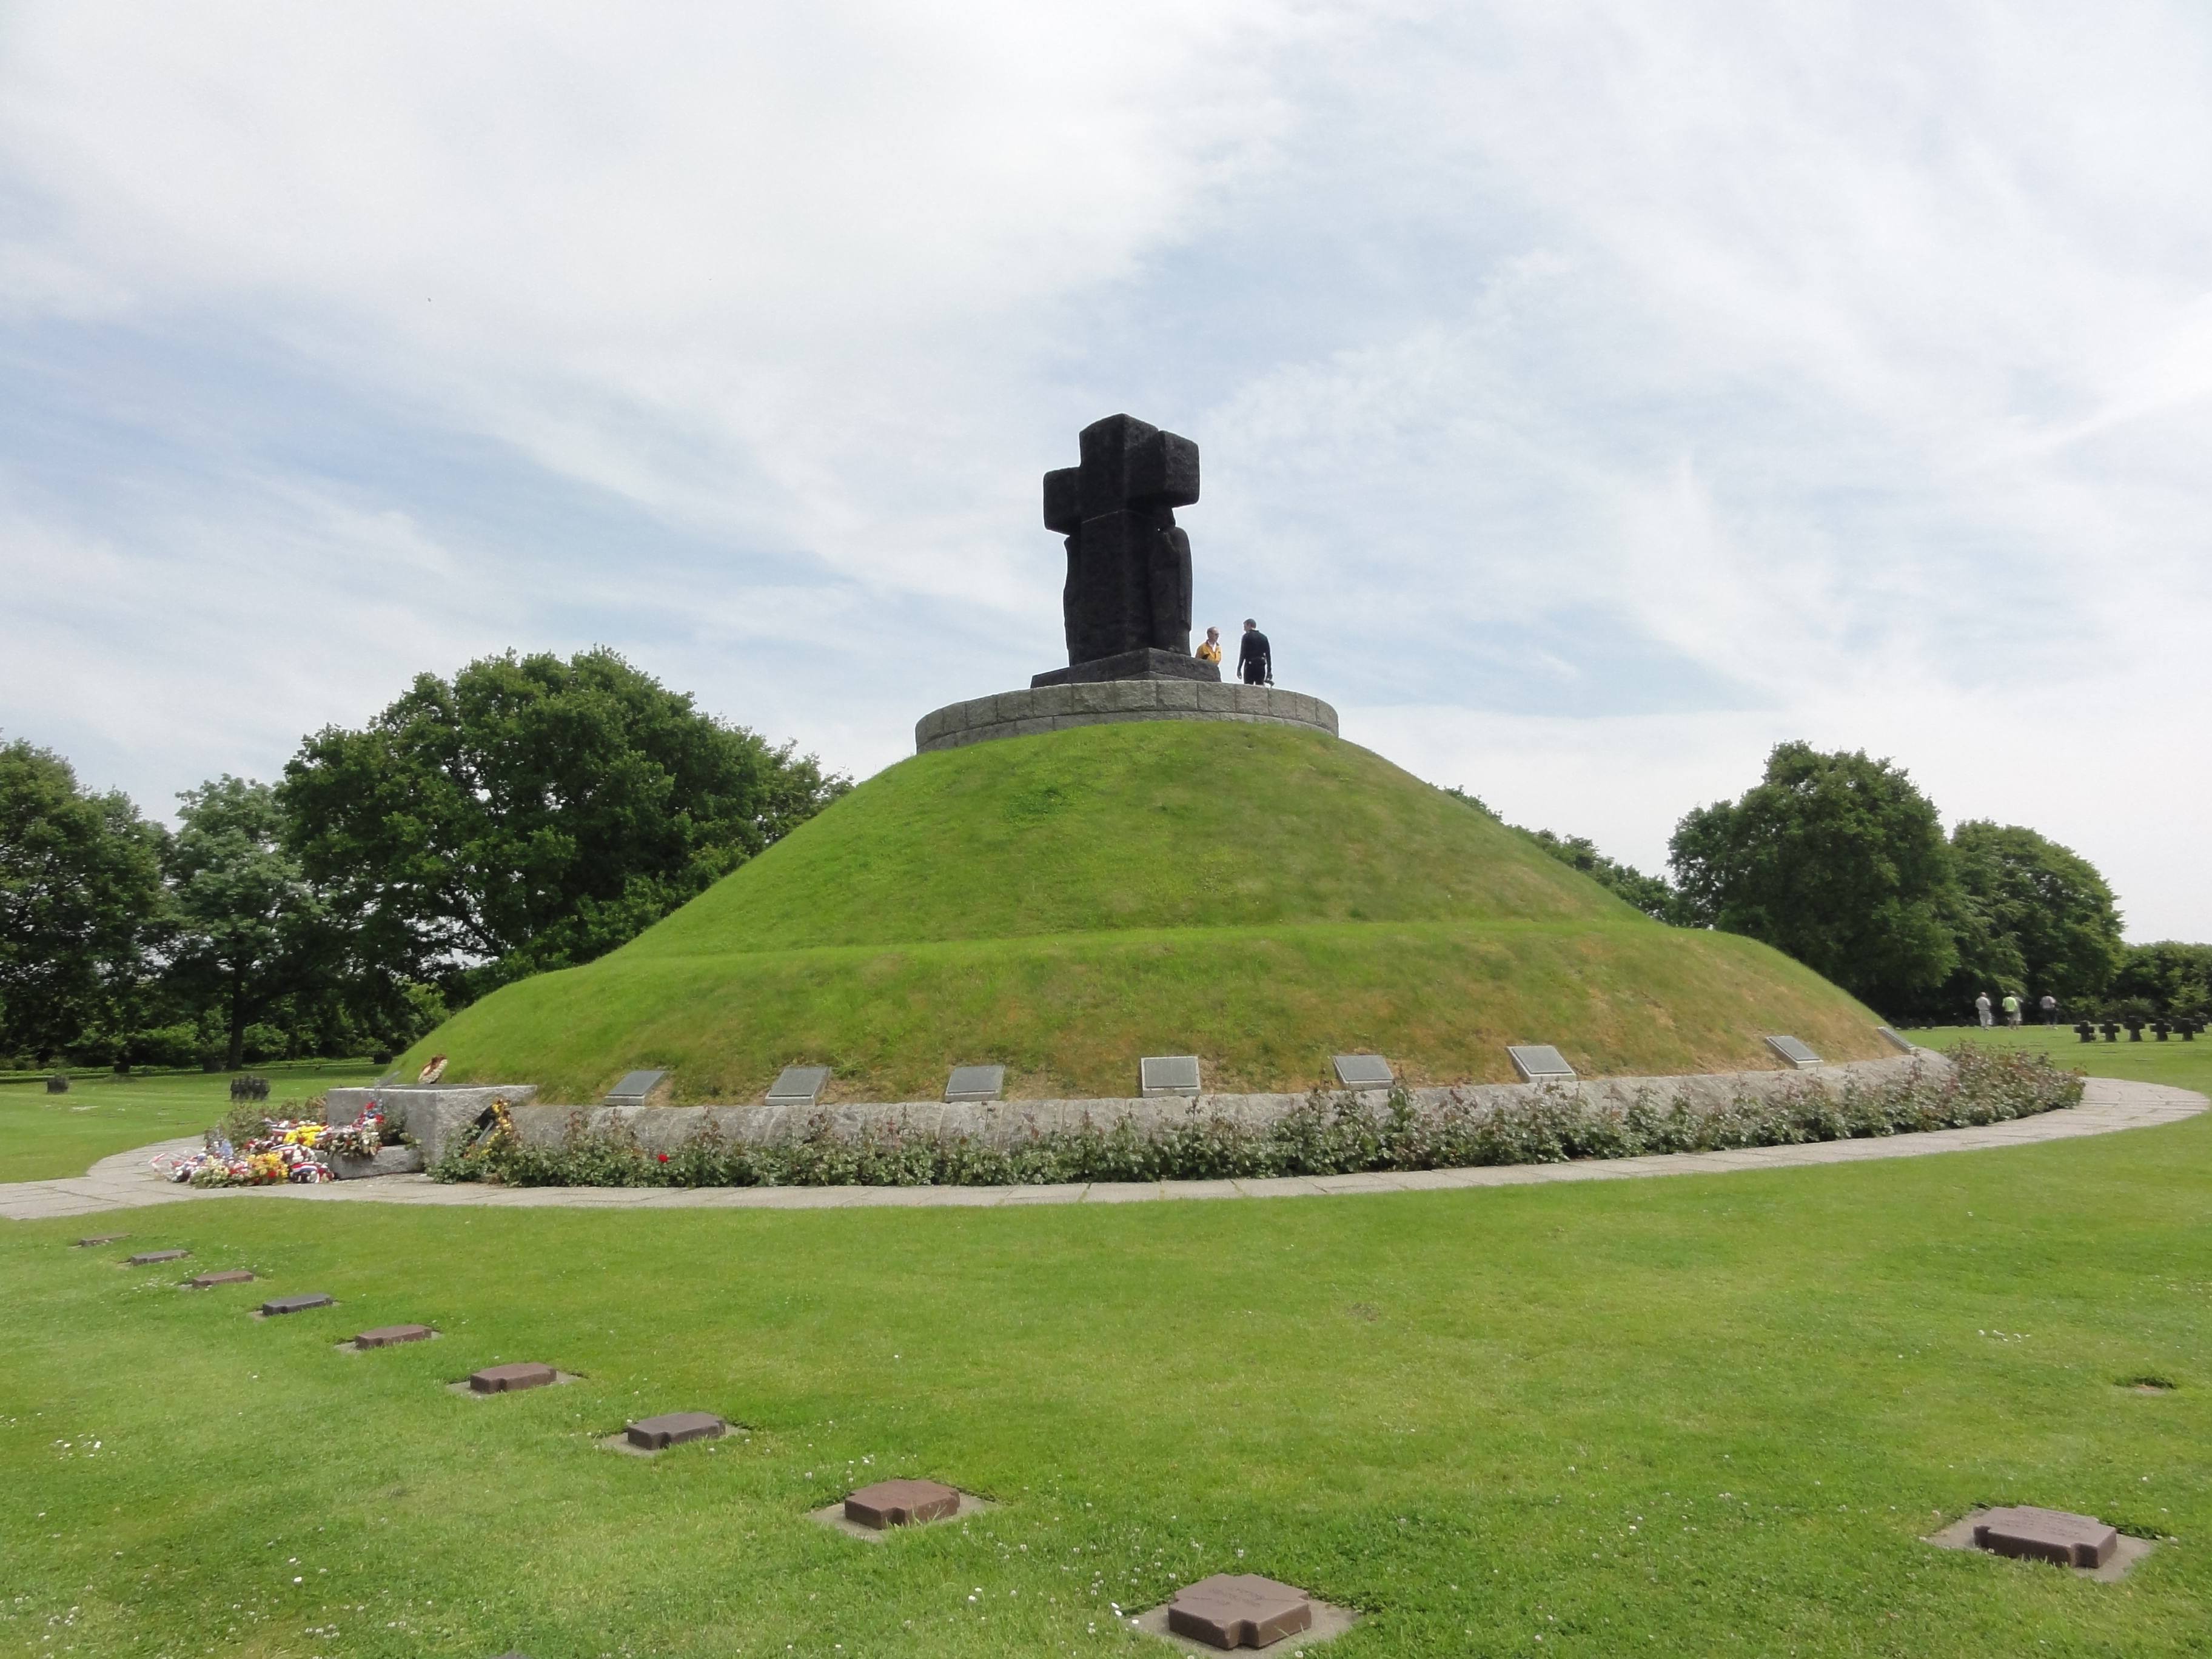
<point x="1592" y="394"/>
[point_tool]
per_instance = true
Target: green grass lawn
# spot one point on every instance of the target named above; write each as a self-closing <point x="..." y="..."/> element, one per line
<point x="44" y="1136"/>
<point x="1696" y="1415"/>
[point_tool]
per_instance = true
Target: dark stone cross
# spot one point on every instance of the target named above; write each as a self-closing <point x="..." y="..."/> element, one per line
<point x="1128" y="599"/>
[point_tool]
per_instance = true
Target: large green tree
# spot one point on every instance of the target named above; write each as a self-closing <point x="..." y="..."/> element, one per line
<point x="80" y="897"/>
<point x="532" y="813"/>
<point x="248" y="923"/>
<point x="2043" y="918"/>
<point x="1835" y="859"/>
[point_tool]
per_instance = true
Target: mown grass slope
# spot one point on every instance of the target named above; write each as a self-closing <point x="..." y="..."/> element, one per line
<point x="1261" y="896"/>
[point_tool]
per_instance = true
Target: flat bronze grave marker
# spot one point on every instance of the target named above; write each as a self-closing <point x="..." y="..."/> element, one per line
<point x="1539" y="1062"/>
<point x="2053" y="1535"/>
<point x="300" y="1303"/>
<point x="674" y="1429"/>
<point x="901" y="1503"/>
<point x="235" y="1276"/>
<point x="146" y="1258"/>
<point x="511" y="1378"/>
<point x="387" y="1336"/>
<point x="97" y="1238"/>
<point x="1239" y="1610"/>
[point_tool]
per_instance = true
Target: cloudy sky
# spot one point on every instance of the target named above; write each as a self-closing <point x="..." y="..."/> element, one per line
<point x="1591" y="394"/>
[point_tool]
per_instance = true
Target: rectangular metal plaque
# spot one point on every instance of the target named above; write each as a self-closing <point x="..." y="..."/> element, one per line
<point x="1795" y="1052"/>
<point x="1540" y="1063"/>
<point x="1364" y="1072"/>
<point x="975" y="1083"/>
<point x="799" y="1085"/>
<point x="1168" y="1074"/>
<point x="1894" y="1039"/>
<point x="633" y="1088"/>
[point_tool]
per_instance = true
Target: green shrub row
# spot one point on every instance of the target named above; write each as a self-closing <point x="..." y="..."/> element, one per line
<point x="1325" y="1135"/>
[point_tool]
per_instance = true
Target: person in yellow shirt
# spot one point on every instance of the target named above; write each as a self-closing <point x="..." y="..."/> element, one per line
<point x="1209" y="650"/>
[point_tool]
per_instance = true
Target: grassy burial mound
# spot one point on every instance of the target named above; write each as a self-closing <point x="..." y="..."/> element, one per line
<point x="1261" y="896"/>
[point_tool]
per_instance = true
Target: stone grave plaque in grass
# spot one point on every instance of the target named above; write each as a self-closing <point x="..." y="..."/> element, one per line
<point x="2081" y="1543"/>
<point x="975" y="1082"/>
<point x="1540" y="1063"/>
<point x="1893" y="1039"/>
<point x="146" y="1258"/>
<point x="902" y="1504"/>
<point x="1364" y="1072"/>
<point x="799" y="1085"/>
<point x="235" y="1276"/>
<point x="2053" y="1535"/>
<point x="512" y="1378"/>
<point x="98" y="1238"/>
<point x="674" y="1429"/>
<point x="1793" y="1054"/>
<point x="633" y="1088"/>
<point x="1239" y="1610"/>
<point x="300" y="1303"/>
<point x="1167" y="1076"/>
<point x="389" y="1336"/>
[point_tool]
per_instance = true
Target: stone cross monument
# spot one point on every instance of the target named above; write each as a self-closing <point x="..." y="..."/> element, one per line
<point x="1127" y="603"/>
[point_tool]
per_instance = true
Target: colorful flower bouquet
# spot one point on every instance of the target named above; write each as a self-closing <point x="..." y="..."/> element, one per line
<point x="292" y="1151"/>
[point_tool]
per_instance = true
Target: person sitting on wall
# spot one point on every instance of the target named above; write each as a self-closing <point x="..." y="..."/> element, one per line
<point x="1209" y="648"/>
<point x="1255" y="662"/>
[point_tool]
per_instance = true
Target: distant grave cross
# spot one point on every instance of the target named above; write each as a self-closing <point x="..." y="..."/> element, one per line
<point x="1129" y="566"/>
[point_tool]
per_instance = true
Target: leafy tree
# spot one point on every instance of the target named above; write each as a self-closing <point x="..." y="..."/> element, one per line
<point x="80" y="898"/>
<point x="2043" y="918"/>
<point x="1835" y="859"/>
<point x="247" y="918"/>
<point x="2167" y="978"/>
<point x="532" y="813"/>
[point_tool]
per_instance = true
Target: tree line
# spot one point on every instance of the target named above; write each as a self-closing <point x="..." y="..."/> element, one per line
<point x="530" y="813"/>
<point x="1841" y="862"/>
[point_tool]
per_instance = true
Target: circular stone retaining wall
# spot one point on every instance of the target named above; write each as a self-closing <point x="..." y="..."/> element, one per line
<point x="999" y="1123"/>
<point x="1055" y="708"/>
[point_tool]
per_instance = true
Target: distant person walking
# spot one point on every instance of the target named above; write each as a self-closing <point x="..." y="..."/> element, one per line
<point x="2012" y="1010"/>
<point x="2049" y="1006"/>
<point x="1255" y="663"/>
<point x="1982" y="1008"/>
<point x="1209" y="648"/>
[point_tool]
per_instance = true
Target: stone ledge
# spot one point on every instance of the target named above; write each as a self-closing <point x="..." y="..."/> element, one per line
<point x="1058" y="708"/>
<point x="665" y="1129"/>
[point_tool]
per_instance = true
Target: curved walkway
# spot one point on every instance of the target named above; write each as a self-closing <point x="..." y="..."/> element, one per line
<point x="127" y="1181"/>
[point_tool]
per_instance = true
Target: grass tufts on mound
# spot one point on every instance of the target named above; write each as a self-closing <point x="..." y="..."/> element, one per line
<point x="1261" y="896"/>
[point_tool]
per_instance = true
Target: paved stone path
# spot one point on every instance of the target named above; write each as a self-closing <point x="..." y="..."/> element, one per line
<point x="127" y="1181"/>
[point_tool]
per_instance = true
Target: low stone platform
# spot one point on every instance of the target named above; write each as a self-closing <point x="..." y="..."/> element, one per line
<point x="1057" y="707"/>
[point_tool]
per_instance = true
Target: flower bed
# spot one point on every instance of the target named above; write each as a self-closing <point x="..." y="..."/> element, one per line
<point x="1328" y="1135"/>
<point x="292" y="1151"/>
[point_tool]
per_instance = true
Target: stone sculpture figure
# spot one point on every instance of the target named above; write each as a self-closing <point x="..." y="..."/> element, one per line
<point x="1129" y="565"/>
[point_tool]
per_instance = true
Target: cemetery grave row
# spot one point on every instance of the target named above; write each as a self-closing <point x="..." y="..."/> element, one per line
<point x="1226" y="1611"/>
<point x="2186" y="1030"/>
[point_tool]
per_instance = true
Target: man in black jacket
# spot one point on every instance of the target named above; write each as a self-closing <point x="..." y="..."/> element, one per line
<point x="1255" y="663"/>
